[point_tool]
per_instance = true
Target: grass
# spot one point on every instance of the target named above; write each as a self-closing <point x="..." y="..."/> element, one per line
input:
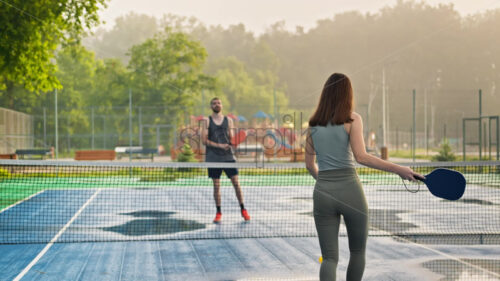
<point x="407" y="154"/>
<point x="422" y="154"/>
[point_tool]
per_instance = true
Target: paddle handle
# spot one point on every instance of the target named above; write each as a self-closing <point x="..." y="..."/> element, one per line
<point x="419" y="178"/>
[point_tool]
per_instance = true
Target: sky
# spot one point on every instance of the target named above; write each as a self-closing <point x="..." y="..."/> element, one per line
<point x="257" y="15"/>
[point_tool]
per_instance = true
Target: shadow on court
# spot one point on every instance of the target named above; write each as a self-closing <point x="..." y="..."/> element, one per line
<point x="379" y="218"/>
<point x="153" y="223"/>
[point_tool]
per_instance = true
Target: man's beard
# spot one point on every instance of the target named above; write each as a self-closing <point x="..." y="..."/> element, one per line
<point x="216" y="110"/>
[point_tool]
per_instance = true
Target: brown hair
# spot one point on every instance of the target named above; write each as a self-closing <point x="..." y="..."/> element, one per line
<point x="335" y="103"/>
<point x="216" y="98"/>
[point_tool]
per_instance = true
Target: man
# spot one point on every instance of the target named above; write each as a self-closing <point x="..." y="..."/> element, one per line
<point x="216" y="137"/>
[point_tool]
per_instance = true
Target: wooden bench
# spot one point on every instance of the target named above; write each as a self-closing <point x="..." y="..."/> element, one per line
<point x="121" y="150"/>
<point x="95" y="155"/>
<point x="141" y="153"/>
<point x="42" y="153"/>
<point x="250" y="150"/>
<point x="8" y="156"/>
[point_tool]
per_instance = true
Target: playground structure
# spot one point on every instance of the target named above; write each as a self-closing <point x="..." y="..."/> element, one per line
<point x="277" y="143"/>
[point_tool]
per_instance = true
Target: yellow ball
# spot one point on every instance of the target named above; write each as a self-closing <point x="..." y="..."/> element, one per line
<point x="320" y="259"/>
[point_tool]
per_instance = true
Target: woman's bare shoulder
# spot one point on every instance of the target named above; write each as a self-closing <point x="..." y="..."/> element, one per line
<point x="355" y="116"/>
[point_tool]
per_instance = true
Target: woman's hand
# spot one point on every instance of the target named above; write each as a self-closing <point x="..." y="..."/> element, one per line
<point x="407" y="173"/>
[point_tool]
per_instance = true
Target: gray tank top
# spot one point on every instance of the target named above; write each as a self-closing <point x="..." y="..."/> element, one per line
<point x="218" y="134"/>
<point x="331" y="144"/>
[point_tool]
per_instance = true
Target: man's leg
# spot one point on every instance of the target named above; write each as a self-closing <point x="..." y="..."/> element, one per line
<point x="218" y="215"/>
<point x="237" y="188"/>
<point x="217" y="193"/>
<point x="239" y="195"/>
<point x="214" y="174"/>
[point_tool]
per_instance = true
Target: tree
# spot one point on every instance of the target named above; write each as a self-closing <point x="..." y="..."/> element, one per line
<point x="31" y="32"/>
<point x="129" y="30"/>
<point x="244" y="94"/>
<point x="76" y="73"/>
<point x="167" y="70"/>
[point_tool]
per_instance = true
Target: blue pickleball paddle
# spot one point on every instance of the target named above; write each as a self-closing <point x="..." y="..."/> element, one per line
<point x="445" y="183"/>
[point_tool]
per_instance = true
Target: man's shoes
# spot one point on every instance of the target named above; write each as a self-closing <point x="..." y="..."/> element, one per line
<point x="245" y="214"/>
<point x="218" y="217"/>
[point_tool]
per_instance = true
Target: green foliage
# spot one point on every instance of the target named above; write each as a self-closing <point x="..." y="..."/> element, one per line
<point x="167" y="70"/>
<point x="419" y="154"/>
<point x="243" y="92"/>
<point x="246" y="69"/>
<point x="129" y="30"/>
<point x="4" y="174"/>
<point x="172" y="67"/>
<point x="445" y="153"/>
<point x="31" y="33"/>
<point x="187" y="154"/>
<point x="76" y="70"/>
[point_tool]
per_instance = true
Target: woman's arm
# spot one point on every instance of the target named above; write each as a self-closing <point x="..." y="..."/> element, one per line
<point x="362" y="157"/>
<point x="311" y="165"/>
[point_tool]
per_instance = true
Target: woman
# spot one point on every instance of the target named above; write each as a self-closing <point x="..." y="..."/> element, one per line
<point x="335" y="134"/>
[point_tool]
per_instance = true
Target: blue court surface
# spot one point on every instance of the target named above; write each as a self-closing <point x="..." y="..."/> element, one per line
<point x="242" y="259"/>
<point x="90" y="215"/>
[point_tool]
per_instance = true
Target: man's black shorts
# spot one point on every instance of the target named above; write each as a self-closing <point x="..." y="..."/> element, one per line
<point x="215" y="173"/>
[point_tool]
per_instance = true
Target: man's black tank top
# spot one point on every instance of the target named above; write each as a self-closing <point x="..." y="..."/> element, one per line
<point x="218" y="134"/>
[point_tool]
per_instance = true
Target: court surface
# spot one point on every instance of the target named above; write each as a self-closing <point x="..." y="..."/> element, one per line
<point x="289" y="250"/>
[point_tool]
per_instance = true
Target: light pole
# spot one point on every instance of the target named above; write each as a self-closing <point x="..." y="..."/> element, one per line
<point x="56" y="127"/>
<point x="384" y="117"/>
<point x="130" y="123"/>
<point x="414" y="132"/>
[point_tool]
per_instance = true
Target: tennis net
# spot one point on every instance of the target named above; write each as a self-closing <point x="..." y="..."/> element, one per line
<point x="43" y="201"/>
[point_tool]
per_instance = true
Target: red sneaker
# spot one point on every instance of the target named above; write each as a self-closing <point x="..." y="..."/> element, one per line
<point x="218" y="217"/>
<point x="245" y="214"/>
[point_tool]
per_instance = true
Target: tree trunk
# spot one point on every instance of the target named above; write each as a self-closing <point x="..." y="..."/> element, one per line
<point x="10" y="94"/>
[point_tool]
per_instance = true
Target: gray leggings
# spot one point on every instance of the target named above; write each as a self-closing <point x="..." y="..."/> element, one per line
<point x="339" y="192"/>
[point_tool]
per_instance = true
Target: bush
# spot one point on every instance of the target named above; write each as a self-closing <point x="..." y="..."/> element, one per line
<point x="187" y="154"/>
<point x="445" y="153"/>
<point x="4" y="174"/>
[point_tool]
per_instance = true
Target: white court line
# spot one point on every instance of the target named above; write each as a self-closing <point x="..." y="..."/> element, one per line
<point x="40" y="255"/>
<point x="21" y="201"/>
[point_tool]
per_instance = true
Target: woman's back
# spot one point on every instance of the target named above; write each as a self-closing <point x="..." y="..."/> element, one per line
<point x="332" y="148"/>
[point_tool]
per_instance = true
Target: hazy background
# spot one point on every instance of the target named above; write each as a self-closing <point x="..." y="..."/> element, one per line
<point x="272" y="56"/>
<point x="446" y="51"/>
<point x="258" y="15"/>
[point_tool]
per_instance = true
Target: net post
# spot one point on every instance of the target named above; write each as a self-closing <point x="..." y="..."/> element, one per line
<point x="56" y="126"/>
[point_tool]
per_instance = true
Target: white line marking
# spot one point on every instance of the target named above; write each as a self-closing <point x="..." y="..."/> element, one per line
<point x="40" y="255"/>
<point x="21" y="201"/>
